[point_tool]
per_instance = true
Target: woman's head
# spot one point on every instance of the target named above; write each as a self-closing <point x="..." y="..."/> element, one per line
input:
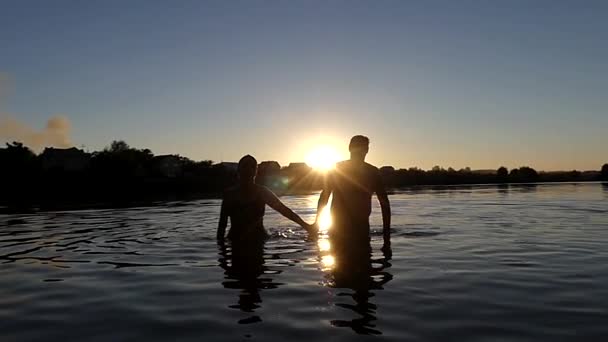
<point x="247" y="169"/>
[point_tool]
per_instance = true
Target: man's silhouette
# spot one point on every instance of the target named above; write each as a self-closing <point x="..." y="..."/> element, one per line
<point x="352" y="184"/>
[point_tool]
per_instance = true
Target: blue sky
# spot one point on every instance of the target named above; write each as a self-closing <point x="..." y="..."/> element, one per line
<point x="451" y="83"/>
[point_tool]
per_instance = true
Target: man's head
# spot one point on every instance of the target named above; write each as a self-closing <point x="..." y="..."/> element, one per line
<point x="358" y="147"/>
<point x="247" y="169"/>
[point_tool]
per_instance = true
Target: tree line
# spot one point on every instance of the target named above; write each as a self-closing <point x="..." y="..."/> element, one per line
<point x="117" y="174"/>
<point x="525" y="174"/>
<point x="120" y="174"/>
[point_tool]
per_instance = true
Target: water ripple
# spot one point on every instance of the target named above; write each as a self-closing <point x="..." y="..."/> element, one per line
<point x="479" y="263"/>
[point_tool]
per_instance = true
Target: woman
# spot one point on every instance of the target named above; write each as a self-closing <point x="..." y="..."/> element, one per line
<point x="245" y="204"/>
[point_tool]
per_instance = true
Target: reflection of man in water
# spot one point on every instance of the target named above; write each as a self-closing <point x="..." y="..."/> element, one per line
<point x="352" y="184"/>
<point x="359" y="275"/>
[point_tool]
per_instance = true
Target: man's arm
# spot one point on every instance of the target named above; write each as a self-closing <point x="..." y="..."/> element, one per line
<point x="324" y="197"/>
<point x="385" y="205"/>
<point x="221" y="227"/>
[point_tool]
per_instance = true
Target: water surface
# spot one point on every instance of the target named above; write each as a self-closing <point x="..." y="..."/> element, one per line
<point x="482" y="263"/>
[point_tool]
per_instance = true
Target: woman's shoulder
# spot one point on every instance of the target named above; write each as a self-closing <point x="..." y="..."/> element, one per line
<point x="262" y="190"/>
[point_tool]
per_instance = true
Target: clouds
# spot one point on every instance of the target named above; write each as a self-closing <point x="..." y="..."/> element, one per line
<point x="56" y="133"/>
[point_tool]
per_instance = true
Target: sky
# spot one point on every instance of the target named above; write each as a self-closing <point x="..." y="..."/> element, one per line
<point x="475" y="84"/>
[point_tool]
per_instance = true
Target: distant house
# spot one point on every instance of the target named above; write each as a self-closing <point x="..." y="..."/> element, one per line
<point x="296" y="170"/>
<point x="64" y="159"/>
<point x="169" y="165"/>
<point x="269" y="175"/>
<point x="299" y="167"/>
<point x="228" y="166"/>
<point x="387" y="169"/>
<point x="300" y="177"/>
<point x="269" y="168"/>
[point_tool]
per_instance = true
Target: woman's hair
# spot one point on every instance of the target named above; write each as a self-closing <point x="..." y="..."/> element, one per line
<point x="248" y="161"/>
<point x="248" y="167"/>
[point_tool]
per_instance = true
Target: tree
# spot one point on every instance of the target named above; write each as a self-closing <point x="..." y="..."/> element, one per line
<point x="18" y="149"/>
<point x="18" y="174"/>
<point x="574" y="174"/>
<point x="119" y="160"/>
<point x="17" y="156"/>
<point x="118" y="146"/>
<point x="502" y="174"/>
<point x="604" y="172"/>
<point x="528" y="174"/>
<point x="514" y="175"/>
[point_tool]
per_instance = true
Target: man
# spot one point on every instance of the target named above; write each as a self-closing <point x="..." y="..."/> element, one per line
<point x="352" y="184"/>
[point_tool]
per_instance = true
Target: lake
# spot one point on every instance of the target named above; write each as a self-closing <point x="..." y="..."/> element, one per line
<point x="469" y="263"/>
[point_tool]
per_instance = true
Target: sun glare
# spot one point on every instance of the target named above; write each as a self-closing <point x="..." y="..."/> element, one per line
<point x="322" y="158"/>
<point x="325" y="220"/>
<point x="328" y="261"/>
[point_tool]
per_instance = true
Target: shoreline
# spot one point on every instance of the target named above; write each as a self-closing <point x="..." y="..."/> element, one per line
<point x="12" y="209"/>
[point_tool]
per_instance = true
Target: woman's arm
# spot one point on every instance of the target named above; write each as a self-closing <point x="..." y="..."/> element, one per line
<point x="275" y="203"/>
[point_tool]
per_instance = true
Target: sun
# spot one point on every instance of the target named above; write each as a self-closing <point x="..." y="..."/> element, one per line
<point x="322" y="158"/>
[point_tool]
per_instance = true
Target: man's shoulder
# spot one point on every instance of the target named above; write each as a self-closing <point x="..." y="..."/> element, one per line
<point x="342" y="163"/>
<point x="349" y="164"/>
<point x="371" y="167"/>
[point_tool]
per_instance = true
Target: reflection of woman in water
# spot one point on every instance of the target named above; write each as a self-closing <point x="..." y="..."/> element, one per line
<point x="245" y="204"/>
<point x="242" y="272"/>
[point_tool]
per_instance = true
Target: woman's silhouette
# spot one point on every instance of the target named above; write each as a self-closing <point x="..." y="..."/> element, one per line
<point x="243" y="258"/>
<point x="245" y="204"/>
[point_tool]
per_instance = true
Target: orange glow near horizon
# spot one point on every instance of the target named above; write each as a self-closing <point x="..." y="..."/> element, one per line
<point x="322" y="157"/>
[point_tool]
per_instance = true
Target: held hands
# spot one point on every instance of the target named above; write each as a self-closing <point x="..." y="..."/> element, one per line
<point x="311" y="228"/>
